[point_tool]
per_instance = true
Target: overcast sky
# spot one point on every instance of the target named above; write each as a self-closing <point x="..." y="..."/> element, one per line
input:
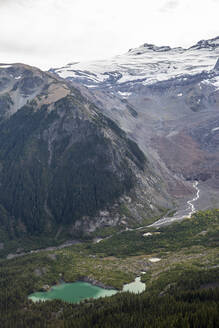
<point x="51" y="33"/>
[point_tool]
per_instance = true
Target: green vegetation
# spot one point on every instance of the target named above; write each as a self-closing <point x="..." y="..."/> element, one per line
<point x="57" y="167"/>
<point x="182" y="288"/>
<point x="202" y="229"/>
<point x="5" y="103"/>
<point x="188" y="301"/>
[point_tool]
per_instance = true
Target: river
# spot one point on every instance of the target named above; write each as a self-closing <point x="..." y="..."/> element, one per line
<point x="181" y="214"/>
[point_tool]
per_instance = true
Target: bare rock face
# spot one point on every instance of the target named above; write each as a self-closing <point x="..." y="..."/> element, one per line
<point x="167" y="101"/>
<point x="216" y="67"/>
<point x="20" y="84"/>
<point x="110" y="145"/>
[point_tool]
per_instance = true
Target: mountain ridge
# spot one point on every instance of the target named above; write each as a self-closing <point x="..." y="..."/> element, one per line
<point x="58" y="131"/>
<point x="164" y="99"/>
<point x="65" y="168"/>
<point x="146" y="65"/>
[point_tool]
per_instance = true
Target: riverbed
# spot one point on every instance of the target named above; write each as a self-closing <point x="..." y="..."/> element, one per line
<point x="181" y="214"/>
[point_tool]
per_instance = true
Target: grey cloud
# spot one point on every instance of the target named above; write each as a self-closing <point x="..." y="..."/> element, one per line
<point x="10" y="3"/>
<point x="12" y="46"/>
<point x="32" y="2"/>
<point x="170" y="5"/>
<point x="36" y="47"/>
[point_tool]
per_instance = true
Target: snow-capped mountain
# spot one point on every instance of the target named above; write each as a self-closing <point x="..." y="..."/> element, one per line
<point x="167" y="100"/>
<point x="146" y="65"/>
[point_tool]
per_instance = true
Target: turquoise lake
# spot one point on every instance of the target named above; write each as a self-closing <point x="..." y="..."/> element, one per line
<point x="78" y="291"/>
<point x="72" y="292"/>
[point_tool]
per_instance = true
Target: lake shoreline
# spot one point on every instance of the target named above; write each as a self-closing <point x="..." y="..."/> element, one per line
<point x="95" y="282"/>
<point x="87" y="279"/>
<point x="74" y="292"/>
<point x="101" y="290"/>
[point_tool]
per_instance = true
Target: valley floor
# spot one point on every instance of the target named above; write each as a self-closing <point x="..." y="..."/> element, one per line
<point x="176" y="260"/>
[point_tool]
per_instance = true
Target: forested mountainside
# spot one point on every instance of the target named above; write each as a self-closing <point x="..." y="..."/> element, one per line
<point x="181" y="288"/>
<point x="64" y="166"/>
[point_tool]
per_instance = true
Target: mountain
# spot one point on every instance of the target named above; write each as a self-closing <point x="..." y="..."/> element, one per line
<point x="79" y="155"/>
<point x="145" y="65"/>
<point x="65" y="168"/>
<point x="166" y="99"/>
<point x="108" y="143"/>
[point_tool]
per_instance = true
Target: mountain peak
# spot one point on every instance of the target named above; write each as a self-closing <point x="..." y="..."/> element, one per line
<point x="156" y="48"/>
<point x="149" y="47"/>
<point x="208" y="44"/>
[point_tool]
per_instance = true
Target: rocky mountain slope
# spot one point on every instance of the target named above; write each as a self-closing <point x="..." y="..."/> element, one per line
<point x="167" y="100"/>
<point x="65" y="168"/>
<point x="114" y="143"/>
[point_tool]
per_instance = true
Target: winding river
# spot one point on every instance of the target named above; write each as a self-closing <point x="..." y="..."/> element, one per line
<point x="79" y="291"/>
<point x="181" y="214"/>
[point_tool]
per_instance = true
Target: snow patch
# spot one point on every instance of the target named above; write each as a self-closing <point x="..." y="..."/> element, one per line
<point x="215" y="129"/>
<point x="154" y="259"/>
<point x="91" y="86"/>
<point x="124" y="94"/>
<point x="5" y="66"/>
<point x="214" y="82"/>
<point x="98" y="240"/>
<point x="147" y="234"/>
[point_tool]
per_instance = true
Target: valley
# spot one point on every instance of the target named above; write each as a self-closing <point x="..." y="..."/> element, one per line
<point x="109" y="182"/>
<point x="166" y="99"/>
<point x="187" y="213"/>
<point x="180" y="255"/>
<point x="147" y="138"/>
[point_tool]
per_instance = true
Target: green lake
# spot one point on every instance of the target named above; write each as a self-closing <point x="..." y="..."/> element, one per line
<point x="78" y="291"/>
<point x="72" y="292"/>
